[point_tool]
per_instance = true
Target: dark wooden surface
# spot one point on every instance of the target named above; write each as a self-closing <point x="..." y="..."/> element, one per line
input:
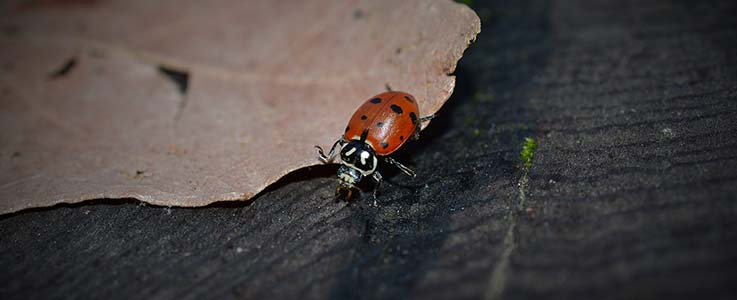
<point x="632" y="193"/>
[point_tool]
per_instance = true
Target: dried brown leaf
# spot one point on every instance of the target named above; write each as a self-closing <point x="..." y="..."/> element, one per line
<point x="88" y="110"/>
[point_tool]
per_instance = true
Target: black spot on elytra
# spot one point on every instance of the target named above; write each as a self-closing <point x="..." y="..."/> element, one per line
<point x="396" y="109"/>
<point x="380" y="124"/>
<point x="409" y="99"/>
<point x="384" y="145"/>
<point x="347" y="128"/>
<point x="401" y="138"/>
<point x="181" y="79"/>
<point x="413" y="117"/>
<point x="364" y="117"/>
<point x="375" y="100"/>
<point x="65" y="69"/>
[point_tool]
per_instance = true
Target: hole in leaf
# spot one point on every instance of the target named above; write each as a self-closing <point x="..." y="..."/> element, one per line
<point x="358" y="14"/>
<point x="181" y="79"/>
<point x="67" y="67"/>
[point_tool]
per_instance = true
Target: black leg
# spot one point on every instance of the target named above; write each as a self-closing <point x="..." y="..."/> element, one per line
<point x="329" y="157"/>
<point x="416" y="134"/>
<point x="378" y="179"/>
<point x="401" y="167"/>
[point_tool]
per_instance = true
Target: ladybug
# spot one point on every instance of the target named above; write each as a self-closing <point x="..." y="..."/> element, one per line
<point x="378" y="128"/>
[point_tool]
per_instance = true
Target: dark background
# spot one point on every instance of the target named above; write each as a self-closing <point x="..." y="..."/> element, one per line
<point x="631" y="194"/>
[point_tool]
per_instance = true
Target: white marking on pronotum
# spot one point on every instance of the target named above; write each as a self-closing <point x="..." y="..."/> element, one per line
<point x="364" y="156"/>
<point x="349" y="152"/>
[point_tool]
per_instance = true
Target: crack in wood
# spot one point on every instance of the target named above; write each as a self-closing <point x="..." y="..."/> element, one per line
<point x="500" y="273"/>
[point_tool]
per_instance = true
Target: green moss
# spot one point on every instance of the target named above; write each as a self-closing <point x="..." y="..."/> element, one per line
<point x="528" y="152"/>
<point x="482" y="97"/>
<point x="470" y="120"/>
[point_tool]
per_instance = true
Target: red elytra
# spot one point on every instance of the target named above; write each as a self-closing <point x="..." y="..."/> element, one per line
<point x="389" y="118"/>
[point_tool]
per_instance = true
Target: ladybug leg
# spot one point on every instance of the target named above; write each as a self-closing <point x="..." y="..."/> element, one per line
<point x="329" y="157"/>
<point x="378" y="179"/>
<point x="401" y="167"/>
<point x="416" y="134"/>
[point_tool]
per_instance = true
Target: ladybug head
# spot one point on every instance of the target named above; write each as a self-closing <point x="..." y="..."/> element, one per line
<point x="347" y="178"/>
